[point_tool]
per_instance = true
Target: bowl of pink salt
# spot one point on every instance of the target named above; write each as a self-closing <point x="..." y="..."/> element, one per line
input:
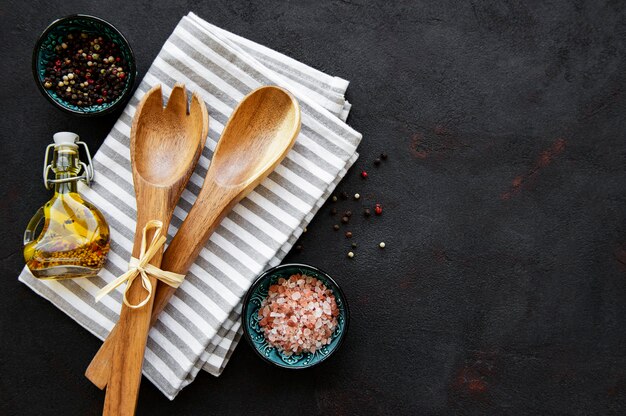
<point x="295" y="316"/>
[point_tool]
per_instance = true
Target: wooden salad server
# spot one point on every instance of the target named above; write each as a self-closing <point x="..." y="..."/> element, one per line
<point x="165" y="145"/>
<point x="258" y="135"/>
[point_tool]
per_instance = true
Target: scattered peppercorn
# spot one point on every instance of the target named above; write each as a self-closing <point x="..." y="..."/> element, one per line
<point x="333" y="211"/>
<point x="348" y="213"/>
<point x="382" y="244"/>
<point x="299" y="247"/>
<point x="378" y="209"/>
<point x="344" y="195"/>
<point x="353" y="245"/>
<point x="350" y="254"/>
<point x="345" y="219"/>
<point x="305" y="230"/>
<point x="348" y="234"/>
<point x="364" y="174"/>
<point x="383" y="156"/>
<point x="334" y="198"/>
<point x="367" y="212"/>
<point x="377" y="161"/>
<point x="336" y="227"/>
<point x="356" y="196"/>
<point x="82" y="77"/>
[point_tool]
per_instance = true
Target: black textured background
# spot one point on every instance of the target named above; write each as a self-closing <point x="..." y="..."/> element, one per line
<point x="502" y="288"/>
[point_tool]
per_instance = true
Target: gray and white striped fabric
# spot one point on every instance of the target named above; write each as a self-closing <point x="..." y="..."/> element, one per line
<point x="200" y="327"/>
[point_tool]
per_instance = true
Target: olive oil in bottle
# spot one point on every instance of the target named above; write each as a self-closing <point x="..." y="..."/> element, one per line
<point x="74" y="240"/>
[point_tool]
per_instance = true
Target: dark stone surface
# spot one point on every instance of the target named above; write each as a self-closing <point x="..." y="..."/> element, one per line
<point x="502" y="288"/>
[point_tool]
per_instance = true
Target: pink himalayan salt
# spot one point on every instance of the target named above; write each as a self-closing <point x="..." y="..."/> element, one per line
<point x="298" y="315"/>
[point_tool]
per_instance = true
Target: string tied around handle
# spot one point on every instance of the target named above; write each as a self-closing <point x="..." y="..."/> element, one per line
<point x="141" y="267"/>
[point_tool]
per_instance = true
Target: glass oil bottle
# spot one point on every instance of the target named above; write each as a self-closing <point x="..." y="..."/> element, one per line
<point x="74" y="240"/>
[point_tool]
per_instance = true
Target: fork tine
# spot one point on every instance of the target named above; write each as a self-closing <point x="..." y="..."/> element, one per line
<point x="153" y="100"/>
<point x="198" y="114"/>
<point x="197" y="107"/>
<point x="177" y="104"/>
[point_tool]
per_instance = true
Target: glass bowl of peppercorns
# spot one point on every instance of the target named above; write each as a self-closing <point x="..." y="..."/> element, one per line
<point x="84" y="65"/>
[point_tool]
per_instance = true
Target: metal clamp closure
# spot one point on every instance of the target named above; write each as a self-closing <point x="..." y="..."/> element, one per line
<point x="86" y="174"/>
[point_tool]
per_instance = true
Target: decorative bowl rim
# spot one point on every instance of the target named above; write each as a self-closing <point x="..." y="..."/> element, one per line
<point x="269" y="272"/>
<point x="132" y="65"/>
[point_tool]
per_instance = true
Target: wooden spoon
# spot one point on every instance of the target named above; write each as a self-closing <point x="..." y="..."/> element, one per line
<point x="165" y="145"/>
<point x="257" y="137"/>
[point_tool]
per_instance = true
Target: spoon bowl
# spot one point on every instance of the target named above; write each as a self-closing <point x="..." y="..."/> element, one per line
<point x="260" y="122"/>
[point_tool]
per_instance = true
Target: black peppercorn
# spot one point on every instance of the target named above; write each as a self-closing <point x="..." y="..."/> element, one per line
<point x="367" y="212"/>
<point x="377" y="161"/>
<point x="336" y="227"/>
<point x="348" y="213"/>
<point x="383" y="156"/>
<point x="333" y="211"/>
<point x="348" y="234"/>
<point x="345" y="220"/>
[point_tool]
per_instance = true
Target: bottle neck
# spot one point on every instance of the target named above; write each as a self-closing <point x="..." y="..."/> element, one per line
<point x="65" y="187"/>
<point x="65" y="165"/>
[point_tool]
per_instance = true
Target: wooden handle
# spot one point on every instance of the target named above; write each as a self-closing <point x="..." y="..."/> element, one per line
<point x="99" y="369"/>
<point x="133" y="325"/>
<point x="211" y="206"/>
<point x="125" y="370"/>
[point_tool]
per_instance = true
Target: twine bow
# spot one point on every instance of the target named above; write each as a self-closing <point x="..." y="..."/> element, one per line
<point x="141" y="267"/>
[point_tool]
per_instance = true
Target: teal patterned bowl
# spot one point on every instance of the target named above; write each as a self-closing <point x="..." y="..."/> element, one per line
<point x="44" y="51"/>
<point x="254" y="334"/>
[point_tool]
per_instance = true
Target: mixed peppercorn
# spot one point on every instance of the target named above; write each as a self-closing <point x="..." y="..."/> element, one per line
<point x="87" y="70"/>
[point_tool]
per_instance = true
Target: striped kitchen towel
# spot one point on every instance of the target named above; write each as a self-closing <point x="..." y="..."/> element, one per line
<point x="200" y="327"/>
